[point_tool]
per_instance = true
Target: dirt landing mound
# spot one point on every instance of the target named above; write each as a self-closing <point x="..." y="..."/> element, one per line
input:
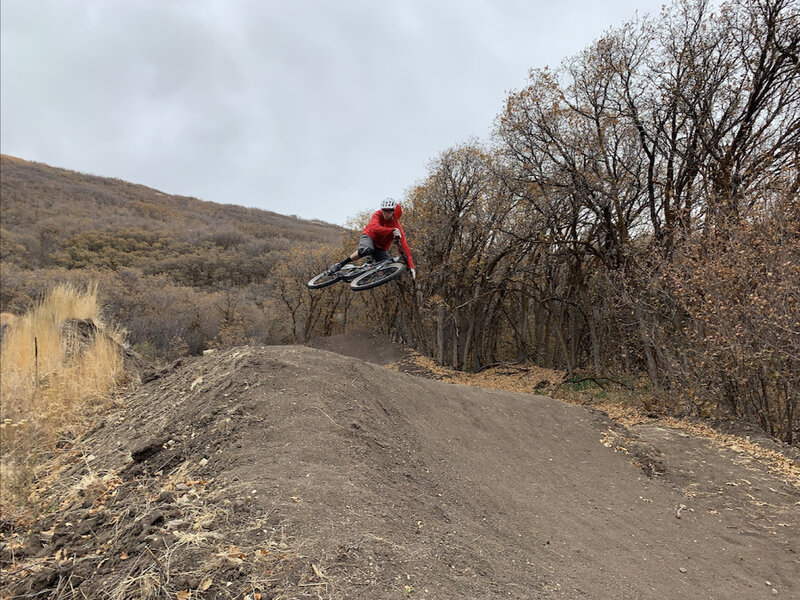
<point x="368" y="346"/>
<point x="291" y="472"/>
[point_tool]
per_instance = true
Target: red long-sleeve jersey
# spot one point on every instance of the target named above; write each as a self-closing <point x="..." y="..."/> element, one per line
<point x="382" y="232"/>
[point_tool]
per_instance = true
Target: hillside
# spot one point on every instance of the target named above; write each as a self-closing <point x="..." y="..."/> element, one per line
<point x="292" y="472"/>
<point x="180" y="274"/>
<point x="39" y="200"/>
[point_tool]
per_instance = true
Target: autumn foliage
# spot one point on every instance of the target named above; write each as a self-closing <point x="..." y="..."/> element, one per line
<point x="635" y="215"/>
<point x="180" y="274"/>
<point x="636" y="212"/>
<point x="739" y="297"/>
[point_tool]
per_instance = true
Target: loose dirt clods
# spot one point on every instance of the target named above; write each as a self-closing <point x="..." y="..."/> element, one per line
<point x="291" y="472"/>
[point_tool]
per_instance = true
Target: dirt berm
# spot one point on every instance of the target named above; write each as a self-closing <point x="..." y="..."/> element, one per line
<point x="293" y="472"/>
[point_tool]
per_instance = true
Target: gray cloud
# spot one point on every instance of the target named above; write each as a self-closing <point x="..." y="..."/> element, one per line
<point x="317" y="108"/>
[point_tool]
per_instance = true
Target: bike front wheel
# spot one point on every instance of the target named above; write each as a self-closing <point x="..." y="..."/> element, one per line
<point x="377" y="276"/>
<point x="324" y="279"/>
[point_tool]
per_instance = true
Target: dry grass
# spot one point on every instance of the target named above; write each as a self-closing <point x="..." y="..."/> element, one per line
<point x="51" y="383"/>
<point x="196" y="553"/>
<point x="516" y="378"/>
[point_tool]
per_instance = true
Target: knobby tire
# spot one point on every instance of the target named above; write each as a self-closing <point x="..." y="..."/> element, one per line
<point x="377" y="276"/>
<point x="324" y="279"/>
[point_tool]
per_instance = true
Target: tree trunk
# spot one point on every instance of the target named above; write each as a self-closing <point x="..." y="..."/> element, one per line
<point x="647" y="343"/>
<point x="470" y="329"/>
<point x="570" y="367"/>
<point x="524" y="329"/>
<point x="440" y="337"/>
<point x="454" y="343"/>
<point x="594" y="318"/>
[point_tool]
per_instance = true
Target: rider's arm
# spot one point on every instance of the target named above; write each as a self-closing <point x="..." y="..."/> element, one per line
<point x="404" y="245"/>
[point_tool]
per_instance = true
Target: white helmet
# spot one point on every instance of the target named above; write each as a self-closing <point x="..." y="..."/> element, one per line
<point x="388" y="204"/>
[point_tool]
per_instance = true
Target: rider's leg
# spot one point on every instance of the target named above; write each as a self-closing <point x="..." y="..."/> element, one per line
<point x="336" y="266"/>
<point x="366" y="247"/>
<point x="380" y="255"/>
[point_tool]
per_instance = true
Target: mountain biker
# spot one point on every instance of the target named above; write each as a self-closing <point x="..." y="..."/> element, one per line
<point x="377" y="237"/>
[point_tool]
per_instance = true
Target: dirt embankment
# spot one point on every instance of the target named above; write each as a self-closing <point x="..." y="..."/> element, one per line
<point x="293" y="472"/>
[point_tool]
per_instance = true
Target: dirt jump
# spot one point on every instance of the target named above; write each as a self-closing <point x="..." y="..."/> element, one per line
<point x="300" y="472"/>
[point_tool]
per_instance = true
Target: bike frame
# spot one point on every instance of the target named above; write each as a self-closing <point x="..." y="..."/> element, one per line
<point x="356" y="270"/>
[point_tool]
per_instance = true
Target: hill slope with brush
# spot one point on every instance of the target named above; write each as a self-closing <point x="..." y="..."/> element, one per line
<point x="276" y="472"/>
<point x="46" y="206"/>
<point x="161" y="261"/>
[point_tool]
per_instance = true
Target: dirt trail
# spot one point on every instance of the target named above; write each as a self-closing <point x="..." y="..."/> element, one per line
<point x="295" y="472"/>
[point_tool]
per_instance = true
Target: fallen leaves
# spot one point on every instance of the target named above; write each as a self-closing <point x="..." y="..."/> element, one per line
<point x="235" y="555"/>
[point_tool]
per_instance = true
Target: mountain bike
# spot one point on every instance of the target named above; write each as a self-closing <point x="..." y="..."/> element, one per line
<point x="365" y="276"/>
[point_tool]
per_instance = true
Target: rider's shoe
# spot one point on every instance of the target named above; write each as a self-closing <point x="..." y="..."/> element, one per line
<point x="334" y="268"/>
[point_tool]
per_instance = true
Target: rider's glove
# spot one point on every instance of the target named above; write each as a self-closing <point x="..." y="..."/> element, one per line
<point x="396" y="233"/>
<point x="414" y="274"/>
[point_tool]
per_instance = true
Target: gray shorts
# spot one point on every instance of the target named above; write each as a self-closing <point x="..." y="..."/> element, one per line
<point x="366" y="247"/>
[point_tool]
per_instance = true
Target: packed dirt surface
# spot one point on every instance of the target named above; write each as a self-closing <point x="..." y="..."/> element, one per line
<point x="364" y="345"/>
<point x="296" y="472"/>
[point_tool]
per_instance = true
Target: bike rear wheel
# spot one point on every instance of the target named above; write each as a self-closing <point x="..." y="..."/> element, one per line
<point x="324" y="279"/>
<point x="377" y="276"/>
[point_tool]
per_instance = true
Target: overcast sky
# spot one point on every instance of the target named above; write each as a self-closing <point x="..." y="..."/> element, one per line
<point x="317" y="108"/>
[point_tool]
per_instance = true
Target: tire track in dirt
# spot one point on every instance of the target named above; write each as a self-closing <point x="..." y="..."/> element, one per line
<point x="298" y="472"/>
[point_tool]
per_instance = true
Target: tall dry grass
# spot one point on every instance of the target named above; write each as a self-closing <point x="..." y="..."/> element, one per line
<point x="51" y="384"/>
